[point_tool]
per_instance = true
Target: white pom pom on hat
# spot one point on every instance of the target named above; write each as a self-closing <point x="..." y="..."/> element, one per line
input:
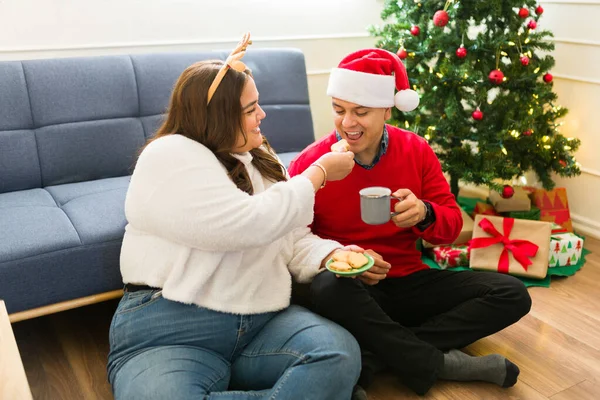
<point x="368" y="77"/>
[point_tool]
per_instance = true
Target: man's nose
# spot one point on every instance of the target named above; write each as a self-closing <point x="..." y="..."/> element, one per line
<point x="348" y="120"/>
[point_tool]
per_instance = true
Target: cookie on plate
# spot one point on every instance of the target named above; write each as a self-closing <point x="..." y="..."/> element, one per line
<point x="357" y="260"/>
<point x="340" y="266"/>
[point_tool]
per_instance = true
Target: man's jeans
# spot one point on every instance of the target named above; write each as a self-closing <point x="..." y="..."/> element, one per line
<point x="162" y="349"/>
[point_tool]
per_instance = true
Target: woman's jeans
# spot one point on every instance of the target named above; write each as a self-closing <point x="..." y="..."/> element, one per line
<point x="162" y="349"/>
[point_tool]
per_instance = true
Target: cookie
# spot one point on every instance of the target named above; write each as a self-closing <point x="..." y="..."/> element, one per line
<point x="340" y="266"/>
<point x="340" y="146"/>
<point x="341" y="256"/>
<point x="357" y="260"/>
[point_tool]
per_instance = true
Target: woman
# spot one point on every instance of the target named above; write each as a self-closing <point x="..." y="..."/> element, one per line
<point x="214" y="231"/>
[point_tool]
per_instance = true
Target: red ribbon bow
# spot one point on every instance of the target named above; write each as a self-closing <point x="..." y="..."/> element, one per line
<point x="521" y="249"/>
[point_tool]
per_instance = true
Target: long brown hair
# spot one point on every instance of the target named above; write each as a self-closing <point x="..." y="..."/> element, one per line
<point x="217" y="125"/>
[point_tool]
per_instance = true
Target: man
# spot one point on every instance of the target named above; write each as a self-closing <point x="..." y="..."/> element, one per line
<point x="415" y="319"/>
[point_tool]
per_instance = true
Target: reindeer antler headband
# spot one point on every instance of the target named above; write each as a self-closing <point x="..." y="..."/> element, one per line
<point x="233" y="61"/>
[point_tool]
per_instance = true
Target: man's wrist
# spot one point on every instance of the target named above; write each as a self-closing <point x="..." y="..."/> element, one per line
<point x="429" y="218"/>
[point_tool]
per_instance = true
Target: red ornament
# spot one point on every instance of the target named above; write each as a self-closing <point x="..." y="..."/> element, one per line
<point x="528" y="132"/>
<point x="523" y="13"/>
<point x="562" y="163"/>
<point x="507" y="191"/>
<point x="532" y="24"/>
<point x="415" y="30"/>
<point x="539" y="10"/>
<point x="548" y="77"/>
<point x="524" y="61"/>
<point x="477" y="115"/>
<point x="402" y="54"/>
<point x="496" y="76"/>
<point x="440" y="18"/>
<point x="461" y="52"/>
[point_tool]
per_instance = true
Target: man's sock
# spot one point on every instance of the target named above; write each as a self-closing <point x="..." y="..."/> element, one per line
<point x="494" y="368"/>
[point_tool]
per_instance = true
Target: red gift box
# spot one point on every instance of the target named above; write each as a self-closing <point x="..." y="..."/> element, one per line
<point x="484" y="209"/>
<point x="554" y="206"/>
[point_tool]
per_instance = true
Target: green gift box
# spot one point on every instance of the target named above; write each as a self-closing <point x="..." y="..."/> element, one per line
<point x="533" y="214"/>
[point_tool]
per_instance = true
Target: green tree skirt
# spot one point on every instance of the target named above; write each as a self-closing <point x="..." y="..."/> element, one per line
<point x="555" y="271"/>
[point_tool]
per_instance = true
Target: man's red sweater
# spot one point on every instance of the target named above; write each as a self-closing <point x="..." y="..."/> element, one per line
<point x="408" y="163"/>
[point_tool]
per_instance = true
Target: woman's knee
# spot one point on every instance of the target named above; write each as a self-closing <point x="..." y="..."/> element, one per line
<point x="171" y="372"/>
<point x="331" y="341"/>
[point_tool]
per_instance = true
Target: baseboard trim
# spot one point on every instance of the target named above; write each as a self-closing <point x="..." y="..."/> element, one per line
<point x="65" y="305"/>
<point x="585" y="226"/>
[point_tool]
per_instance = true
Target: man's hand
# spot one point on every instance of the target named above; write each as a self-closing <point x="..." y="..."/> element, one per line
<point x="410" y="211"/>
<point x="377" y="272"/>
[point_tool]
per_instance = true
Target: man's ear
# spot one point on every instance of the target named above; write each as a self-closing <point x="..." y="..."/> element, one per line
<point x="388" y="113"/>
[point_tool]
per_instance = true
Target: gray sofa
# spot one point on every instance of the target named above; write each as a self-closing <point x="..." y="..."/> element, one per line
<point x="69" y="132"/>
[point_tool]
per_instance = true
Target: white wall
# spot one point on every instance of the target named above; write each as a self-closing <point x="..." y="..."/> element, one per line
<point x="325" y="30"/>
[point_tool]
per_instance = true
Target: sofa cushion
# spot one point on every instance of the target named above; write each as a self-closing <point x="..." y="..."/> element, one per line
<point x="60" y="275"/>
<point x="19" y="163"/>
<point x="81" y="89"/>
<point x="156" y="74"/>
<point x="88" y="150"/>
<point x="32" y="224"/>
<point x="14" y="101"/>
<point x="95" y="208"/>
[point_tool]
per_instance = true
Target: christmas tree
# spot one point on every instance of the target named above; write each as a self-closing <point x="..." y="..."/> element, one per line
<point x="482" y="70"/>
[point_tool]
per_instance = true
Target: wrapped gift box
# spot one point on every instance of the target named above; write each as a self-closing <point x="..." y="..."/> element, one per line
<point x="556" y="228"/>
<point x="465" y="233"/>
<point x="533" y="214"/>
<point x="554" y="206"/>
<point x="510" y="246"/>
<point x="565" y="250"/>
<point x="451" y="256"/>
<point x="519" y="201"/>
<point x="484" y="209"/>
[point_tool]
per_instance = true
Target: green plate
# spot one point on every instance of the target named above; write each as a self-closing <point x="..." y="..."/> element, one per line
<point x="359" y="271"/>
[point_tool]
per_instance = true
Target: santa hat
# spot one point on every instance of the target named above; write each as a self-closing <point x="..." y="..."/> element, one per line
<point x="368" y="77"/>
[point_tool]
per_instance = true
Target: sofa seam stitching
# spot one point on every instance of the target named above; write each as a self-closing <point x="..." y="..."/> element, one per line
<point x="33" y="125"/>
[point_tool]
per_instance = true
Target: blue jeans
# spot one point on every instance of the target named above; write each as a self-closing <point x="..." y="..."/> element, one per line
<point x="162" y="349"/>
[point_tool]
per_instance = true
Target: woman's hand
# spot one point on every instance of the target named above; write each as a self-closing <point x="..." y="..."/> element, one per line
<point x="371" y="277"/>
<point x="337" y="164"/>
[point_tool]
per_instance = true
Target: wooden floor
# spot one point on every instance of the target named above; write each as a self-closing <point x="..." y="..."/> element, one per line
<point x="557" y="347"/>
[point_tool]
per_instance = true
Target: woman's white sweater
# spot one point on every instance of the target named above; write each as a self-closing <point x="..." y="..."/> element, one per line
<point x="192" y="232"/>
